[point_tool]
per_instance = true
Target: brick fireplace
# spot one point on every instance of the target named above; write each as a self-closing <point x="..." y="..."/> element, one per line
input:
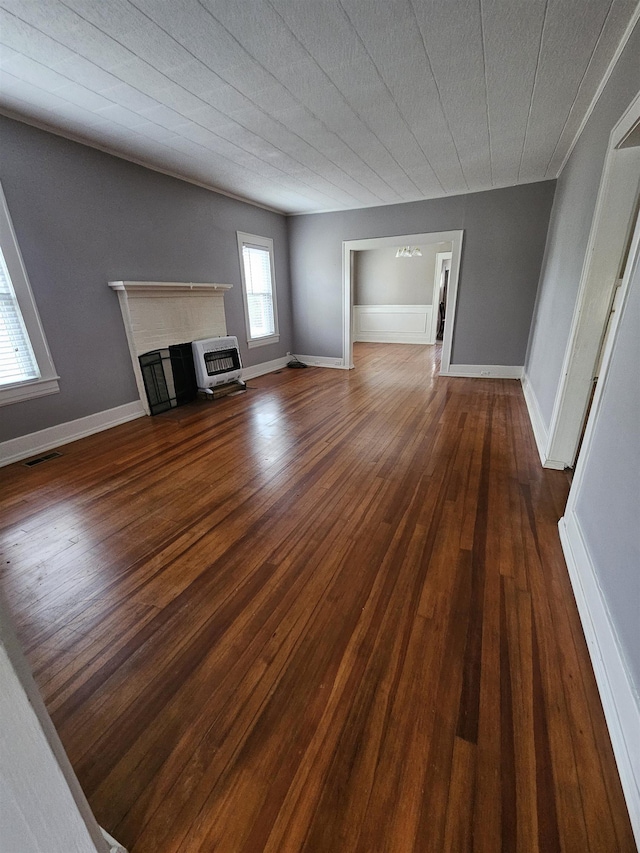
<point x="159" y="314"/>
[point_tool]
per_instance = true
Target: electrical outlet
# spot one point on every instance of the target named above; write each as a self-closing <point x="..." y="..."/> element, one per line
<point x="485" y="373"/>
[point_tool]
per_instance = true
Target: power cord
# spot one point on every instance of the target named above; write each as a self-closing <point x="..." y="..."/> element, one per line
<point x="295" y="362"/>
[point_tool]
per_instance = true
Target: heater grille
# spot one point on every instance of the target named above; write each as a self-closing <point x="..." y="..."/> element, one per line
<point x="217" y="361"/>
<point x="221" y="361"/>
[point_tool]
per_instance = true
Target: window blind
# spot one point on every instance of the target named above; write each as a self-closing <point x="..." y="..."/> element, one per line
<point x="257" y="274"/>
<point x="17" y="362"/>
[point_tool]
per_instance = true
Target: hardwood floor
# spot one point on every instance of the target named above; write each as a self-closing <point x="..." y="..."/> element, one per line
<point x="328" y="615"/>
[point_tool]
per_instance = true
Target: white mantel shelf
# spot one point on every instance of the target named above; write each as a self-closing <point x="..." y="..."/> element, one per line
<point x="159" y="288"/>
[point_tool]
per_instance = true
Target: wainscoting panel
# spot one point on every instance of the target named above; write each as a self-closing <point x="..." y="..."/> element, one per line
<point x="392" y="324"/>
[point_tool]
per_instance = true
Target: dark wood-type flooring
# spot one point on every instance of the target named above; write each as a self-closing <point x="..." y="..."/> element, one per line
<point x="328" y="615"/>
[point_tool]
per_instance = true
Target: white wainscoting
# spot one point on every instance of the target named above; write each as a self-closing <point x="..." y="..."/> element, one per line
<point x="322" y="361"/>
<point x="392" y="324"/>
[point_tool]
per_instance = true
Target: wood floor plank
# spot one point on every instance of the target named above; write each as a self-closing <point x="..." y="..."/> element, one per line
<point x="329" y="615"/>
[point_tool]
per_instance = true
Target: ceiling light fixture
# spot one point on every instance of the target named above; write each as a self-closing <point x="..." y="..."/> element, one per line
<point x="408" y="252"/>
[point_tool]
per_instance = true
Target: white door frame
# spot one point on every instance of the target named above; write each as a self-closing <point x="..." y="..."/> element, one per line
<point x="349" y="246"/>
<point x="441" y="257"/>
<point x="610" y="229"/>
<point x="616" y="689"/>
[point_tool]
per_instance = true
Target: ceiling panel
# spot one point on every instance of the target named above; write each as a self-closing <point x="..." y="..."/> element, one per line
<point x="511" y="64"/>
<point x="620" y="13"/>
<point x="307" y="105"/>
<point x="453" y="39"/>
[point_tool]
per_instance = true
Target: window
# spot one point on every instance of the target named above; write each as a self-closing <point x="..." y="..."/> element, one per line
<point x="26" y="368"/>
<point x="258" y="289"/>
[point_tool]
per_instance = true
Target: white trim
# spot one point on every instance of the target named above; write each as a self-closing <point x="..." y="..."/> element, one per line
<point x="114" y="846"/>
<point x="167" y="288"/>
<point x="540" y="433"/>
<point x="614" y="60"/>
<point x="278" y="363"/>
<point x="55" y="436"/>
<point x="264" y="367"/>
<point x="47" y="380"/>
<point x="538" y="425"/>
<point x="405" y="324"/>
<point x="619" y="701"/>
<point x="322" y="361"/>
<point x="609" y="232"/>
<point x="485" y="371"/>
<point x="348" y="246"/>
<point x="263" y="342"/>
<point x="441" y="257"/>
<point x="29" y="390"/>
<point x="266" y="243"/>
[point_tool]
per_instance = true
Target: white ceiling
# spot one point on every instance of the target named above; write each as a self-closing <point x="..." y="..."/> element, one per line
<point x="306" y="105"/>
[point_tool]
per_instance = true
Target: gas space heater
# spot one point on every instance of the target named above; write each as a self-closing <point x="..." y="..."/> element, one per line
<point x="217" y="361"/>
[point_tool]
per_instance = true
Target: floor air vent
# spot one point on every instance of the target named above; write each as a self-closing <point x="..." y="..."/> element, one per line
<point x="39" y="459"/>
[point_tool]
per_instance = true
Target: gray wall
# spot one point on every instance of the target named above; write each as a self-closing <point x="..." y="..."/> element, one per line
<point x="571" y="219"/>
<point x="504" y="239"/>
<point x="379" y="278"/>
<point x="84" y="218"/>
<point x="608" y="500"/>
<point x="609" y="496"/>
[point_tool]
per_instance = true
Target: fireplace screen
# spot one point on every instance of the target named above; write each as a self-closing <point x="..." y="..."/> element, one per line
<point x="169" y="377"/>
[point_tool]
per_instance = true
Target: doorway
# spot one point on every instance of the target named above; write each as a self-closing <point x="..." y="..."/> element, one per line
<point x="609" y="239"/>
<point x="440" y="290"/>
<point x="349" y="247"/>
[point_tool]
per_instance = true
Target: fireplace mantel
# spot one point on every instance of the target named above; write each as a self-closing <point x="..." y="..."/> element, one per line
<point x="157" y="314"/>
<point x="169" y="288"/>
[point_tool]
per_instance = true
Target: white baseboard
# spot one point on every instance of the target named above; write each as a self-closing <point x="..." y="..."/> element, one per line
<point x="114" y="846"/>
<point x="55" y="436"/>
<point x="538" y="425"/>
<point x="619" y="700"/>
<point x="322" y="361"/>
<point x="279" y="363"/>
<point x="484" y="371"/>
<point x="264" y="367"/>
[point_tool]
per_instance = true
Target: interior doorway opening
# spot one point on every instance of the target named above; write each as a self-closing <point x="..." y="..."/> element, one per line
<point x="396" y="293"/>
<point x="350" y="247"/>
<point x="440" y="289"/>
<point x="607" y="249"/>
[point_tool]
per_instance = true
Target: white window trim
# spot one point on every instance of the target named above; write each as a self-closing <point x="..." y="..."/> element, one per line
<point x="47" y="382"/>
<point x="263" y="243"/>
